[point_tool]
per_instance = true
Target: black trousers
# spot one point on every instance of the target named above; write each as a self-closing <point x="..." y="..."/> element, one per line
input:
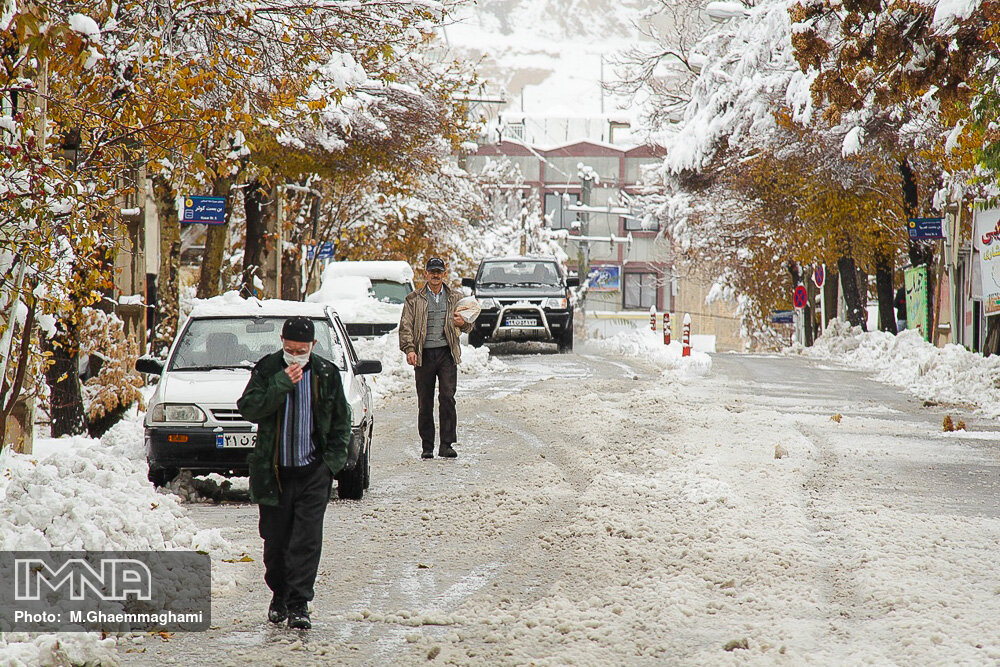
<point x="293" y="533"/>
<point x="437" y="365"/>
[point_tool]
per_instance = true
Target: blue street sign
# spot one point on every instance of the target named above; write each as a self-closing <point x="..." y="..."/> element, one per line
<point x="325" y="251"/>
<point x="204" y="210"/>
<point x="782" y="316"/>
<point x="925" y="228"/>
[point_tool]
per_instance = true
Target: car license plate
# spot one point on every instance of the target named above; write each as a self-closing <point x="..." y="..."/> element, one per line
<point x="228" y="440"/>
<point x="521" y="322"/>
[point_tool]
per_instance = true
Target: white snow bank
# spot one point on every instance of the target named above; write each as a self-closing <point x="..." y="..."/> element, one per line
<point x="647" y="344"/>
<point x="83" y="494"/>
<point x="950" y="373"/>
<point x="397" y="376"/>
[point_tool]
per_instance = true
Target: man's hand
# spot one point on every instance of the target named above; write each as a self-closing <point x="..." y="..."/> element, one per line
<point x="411" y="358"/>
<point x="459" y="320"/>
<point x="294" y="373"/>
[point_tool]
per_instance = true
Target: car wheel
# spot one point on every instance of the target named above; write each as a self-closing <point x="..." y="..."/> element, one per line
<point x="476" y="339"/>
<point x="161" y="476"/>
<point x="566" y="341"/>
<point x="351" y="483"/>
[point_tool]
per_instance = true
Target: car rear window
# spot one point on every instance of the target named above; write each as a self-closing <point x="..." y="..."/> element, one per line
<point x="240" y="342"/>
<point x="390" y="291"/>
<point x="515" y="272"/>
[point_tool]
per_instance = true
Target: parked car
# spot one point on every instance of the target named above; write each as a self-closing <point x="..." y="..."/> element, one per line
<point x="522" y="299"/>
<point x="192" y="422"/>
<point x="368" y="295"/>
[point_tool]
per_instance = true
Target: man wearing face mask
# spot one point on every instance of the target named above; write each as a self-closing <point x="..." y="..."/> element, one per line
<point x="296" y="398"/>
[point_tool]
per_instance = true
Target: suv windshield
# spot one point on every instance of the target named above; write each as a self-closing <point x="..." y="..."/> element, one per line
<point x="240" y="342"/>
<point x="389" y="291"/>
<point x="518" y="272"/>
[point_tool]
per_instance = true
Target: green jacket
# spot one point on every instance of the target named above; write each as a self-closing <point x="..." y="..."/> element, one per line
<point x="263" y="402"/>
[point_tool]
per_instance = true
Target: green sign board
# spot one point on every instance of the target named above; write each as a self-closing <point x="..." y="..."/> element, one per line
<point x="917" y="301"/>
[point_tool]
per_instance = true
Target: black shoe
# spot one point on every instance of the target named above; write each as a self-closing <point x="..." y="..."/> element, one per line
<point x="447" y="451"/>
<point x="298" y="619"/>
<point x="277" y="611"/>
<point x="427" y="455"/>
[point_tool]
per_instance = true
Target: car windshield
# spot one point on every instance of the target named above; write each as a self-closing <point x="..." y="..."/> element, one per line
<point x="240" y="342"/>
<point x="518" y="272"/>
<point x="390" y="291"/>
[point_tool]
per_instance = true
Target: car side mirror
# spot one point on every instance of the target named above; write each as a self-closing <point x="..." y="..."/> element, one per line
<point x="150" y="365"/>
<point x="468" y="282"/>
<point x="572" y="282"/>
<point x="367" y="367"/>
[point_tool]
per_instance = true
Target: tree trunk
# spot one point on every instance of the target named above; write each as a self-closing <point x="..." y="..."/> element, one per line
<point x="831" y="291"/>
<point x="253" y="276"/>
<point x="167" y="283"/>
<point x="886" y="295"/>
<point x="215" y="246"/>
<point x="65" y="396"/>
<point x="291" y="276"/>
<point x="13" y="391"/>
<point x="852" y="297"/>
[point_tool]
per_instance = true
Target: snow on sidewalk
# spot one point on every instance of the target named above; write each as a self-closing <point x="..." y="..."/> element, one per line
<point x="946" y="374"/>
<point x="81" y="494"/>
<point x="647" y="344"/>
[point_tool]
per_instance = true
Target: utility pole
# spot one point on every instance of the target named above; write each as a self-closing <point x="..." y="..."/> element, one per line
<point x="524" y="225"/>
<point x="583" y="253"/>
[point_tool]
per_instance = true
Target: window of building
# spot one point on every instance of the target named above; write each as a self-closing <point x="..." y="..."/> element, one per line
<point x="555" y="203"/>
<point x="633" y="224"/>
<point x="640" y="290"/>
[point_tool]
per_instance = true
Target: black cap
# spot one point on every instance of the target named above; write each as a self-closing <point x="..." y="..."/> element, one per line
<point x="299" y="329"/>
<point x="435" y="264"/>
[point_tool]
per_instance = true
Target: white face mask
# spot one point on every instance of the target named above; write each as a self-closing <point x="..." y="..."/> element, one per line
<point x="300" y="359"/>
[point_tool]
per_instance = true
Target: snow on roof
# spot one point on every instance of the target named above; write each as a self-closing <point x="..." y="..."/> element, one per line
<point x="401" y="272"/>
<point x="232" y="304"/>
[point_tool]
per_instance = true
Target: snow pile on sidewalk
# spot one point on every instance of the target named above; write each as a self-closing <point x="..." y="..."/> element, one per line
<point x="948" y="374"/>
<point x="647" y="344"/>
<point x="397" y="376"/>
<point x="84" y="494"/>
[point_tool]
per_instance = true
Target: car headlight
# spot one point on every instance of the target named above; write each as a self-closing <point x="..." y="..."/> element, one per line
<point x="555" y="303"/>
<point x="176" y="412"/>
<point x="488" y="304"/>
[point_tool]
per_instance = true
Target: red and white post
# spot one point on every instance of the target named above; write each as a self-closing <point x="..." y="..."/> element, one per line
<point x="666" y="328"/>
<point x="686" y="337"/>
<point x="652" y="318"/>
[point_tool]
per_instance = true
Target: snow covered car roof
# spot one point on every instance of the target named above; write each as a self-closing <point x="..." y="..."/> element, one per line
<point x="232" y="304"/>
<point x="400" y="272"/>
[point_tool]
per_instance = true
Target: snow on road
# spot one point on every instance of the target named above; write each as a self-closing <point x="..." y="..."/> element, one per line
<point x="616" y="506"/>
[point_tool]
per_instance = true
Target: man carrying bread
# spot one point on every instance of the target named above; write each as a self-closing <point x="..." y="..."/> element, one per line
<point x="428" y="335"/>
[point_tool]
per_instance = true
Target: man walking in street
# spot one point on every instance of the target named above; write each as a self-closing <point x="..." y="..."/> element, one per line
<point x="428" y="334"/>
<point x="296" y="398"/>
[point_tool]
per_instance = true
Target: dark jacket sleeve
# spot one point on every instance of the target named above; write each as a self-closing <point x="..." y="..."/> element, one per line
<point x="264" y="395"/>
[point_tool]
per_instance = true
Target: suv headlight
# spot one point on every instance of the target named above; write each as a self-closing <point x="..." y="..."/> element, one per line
<point x="176" y="412"/>
<point x="488" y="304"/>
<point x="555" y="303"/>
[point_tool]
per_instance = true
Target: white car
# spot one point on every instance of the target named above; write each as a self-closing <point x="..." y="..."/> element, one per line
<point x="192" y="422"/>
<point x="368" y="295"/>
